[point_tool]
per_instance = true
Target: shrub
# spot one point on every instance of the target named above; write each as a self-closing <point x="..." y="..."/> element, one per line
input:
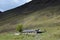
<point x="19" y="28"/>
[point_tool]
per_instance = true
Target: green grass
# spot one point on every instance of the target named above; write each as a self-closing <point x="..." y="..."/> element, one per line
<point x="19" y="37"/>
<point x="52" y="33"/>
<point x="47" y="20"/>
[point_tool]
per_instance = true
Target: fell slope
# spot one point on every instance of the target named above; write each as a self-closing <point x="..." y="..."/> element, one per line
<point x="37" y="13"/>
<point x="47" y="19"/>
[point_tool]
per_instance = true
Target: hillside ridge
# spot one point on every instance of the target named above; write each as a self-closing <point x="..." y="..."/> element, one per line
<point x="36" y="9"/>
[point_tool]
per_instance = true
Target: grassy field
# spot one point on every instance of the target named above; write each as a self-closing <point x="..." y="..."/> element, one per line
<point x="52" y="33"/>
<point x="47" y="19"/>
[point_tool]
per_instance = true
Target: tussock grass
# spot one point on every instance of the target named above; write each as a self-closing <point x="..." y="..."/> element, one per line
<point x="47" y="19"/>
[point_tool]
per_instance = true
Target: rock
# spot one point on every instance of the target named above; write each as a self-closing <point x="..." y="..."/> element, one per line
<point x="16" y="33"/>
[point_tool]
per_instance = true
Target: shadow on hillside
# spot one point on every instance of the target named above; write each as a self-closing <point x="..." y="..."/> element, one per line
<point x="27" y="9"/>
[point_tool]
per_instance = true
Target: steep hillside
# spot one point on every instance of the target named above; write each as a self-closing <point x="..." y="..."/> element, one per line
<point x="37" y="13"/>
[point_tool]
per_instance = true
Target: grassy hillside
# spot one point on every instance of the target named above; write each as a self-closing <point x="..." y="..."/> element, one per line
<point x="34" y="13"/>
<point x="45" y="17"/>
